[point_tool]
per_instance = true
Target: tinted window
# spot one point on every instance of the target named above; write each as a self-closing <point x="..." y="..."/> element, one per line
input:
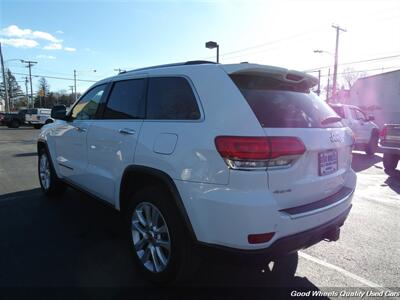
<point x="171" y="98"/>
<point x="278" y="104"/>
<point x="126" y="100"/>
<point x="86" y="108"/>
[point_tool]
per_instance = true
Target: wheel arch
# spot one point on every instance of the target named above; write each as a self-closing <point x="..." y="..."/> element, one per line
<point x="136" y="177"/>
<point x="42" y="144"/>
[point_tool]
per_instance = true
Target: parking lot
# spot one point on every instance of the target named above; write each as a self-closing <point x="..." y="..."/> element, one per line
<point x="77" y="241"/>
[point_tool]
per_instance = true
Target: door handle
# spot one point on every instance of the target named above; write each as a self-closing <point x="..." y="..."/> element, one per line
<point x="80" y="129"/>
<point x="126" y="131"/>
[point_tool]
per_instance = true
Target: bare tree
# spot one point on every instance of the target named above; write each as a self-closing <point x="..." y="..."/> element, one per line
<point x="350" y="75"/>
<point x="44" y="87"/>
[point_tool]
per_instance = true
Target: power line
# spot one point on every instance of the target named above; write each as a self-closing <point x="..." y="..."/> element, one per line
<point x="263" y="44"/>
<point x="356" y="62"/>
<point x="369" y="70"/>
<point x="54" y="77"/>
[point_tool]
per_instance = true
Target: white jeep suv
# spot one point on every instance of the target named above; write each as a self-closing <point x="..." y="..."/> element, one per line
<point x="239" y="159"/>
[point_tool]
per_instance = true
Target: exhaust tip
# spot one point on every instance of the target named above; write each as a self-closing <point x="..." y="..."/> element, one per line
<point x="332" y="235"/>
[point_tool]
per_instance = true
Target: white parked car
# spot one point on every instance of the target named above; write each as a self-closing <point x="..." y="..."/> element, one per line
<point x="38" y="117"/>
<point x="199" y="157"/>
<point x="366" y="132"/>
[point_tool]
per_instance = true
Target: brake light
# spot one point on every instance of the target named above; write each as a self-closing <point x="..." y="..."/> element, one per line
<point x="259" y="152"/>
<point x="383" y="133"/>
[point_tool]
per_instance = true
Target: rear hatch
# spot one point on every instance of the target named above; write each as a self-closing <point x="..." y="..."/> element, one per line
<point x="390" y="136"/>
<point x="316" y="145"/>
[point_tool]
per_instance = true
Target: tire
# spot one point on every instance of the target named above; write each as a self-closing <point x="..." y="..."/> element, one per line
<point x="37" y="126"/>
<point x="171" y="247"/>
<point x="50" y="184"/>
<point x="284" y="269"/>
<point x="390" y="162"/>
<point x="13" y="124"/>
<point x="372" y="146"/>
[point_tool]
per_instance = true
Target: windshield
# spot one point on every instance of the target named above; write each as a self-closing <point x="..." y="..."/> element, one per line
<point x="277" y="105"/>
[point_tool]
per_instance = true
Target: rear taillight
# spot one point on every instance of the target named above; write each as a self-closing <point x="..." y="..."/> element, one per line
<point x="383" y="133"/>
<point x="249" y="153"/>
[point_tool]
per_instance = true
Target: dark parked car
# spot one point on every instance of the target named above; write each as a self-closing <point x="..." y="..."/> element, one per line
<point x="1" y="118"/>
<point x="14" y="120"/>
<point x="390" y="145"/>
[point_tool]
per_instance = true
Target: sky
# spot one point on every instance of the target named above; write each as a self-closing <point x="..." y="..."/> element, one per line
<point x="63" y="36"/>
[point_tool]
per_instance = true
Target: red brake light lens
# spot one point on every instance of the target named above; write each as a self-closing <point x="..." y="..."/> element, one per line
<point x="383" y="132"/>
<point x="258" y="152"/>
<point x="282" y="146"/>
<point x="235" y="147"/>
<point x="243" y="148"/>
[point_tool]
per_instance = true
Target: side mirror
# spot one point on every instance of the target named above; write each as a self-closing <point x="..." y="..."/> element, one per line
<point x="371" y="118"/>
<point x="59" y="112"/>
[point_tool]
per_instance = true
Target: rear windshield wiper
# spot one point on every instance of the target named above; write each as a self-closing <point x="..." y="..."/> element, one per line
<point x="331" y="119"/>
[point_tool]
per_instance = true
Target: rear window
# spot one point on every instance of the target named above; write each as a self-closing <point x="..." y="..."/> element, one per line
<point x="279" y="105"/>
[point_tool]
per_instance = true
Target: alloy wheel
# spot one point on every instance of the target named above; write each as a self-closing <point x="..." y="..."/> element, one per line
<point x="151" y="238"/>
<point x="44" y="171"/>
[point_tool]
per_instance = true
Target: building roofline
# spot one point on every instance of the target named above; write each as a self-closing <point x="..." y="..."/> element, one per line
<point x="377" y="75"/>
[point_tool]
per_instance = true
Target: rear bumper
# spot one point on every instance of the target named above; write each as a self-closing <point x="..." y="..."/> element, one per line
<point x="328" y="231"/>
<point x="225" y="216"/>
<point x="389" y="150"/>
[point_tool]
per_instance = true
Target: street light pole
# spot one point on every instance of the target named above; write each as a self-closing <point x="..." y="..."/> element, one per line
<point x="212" y="45"/>
<point x="7" y="108"/>
<point x="336" y="59"/>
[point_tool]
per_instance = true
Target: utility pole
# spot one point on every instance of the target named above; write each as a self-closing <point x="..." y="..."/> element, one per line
<point x="4" y="82"/>
<point x="26" y="91"/>
<point x="75" y="83"/>
<point x="327" y="88"/>
<point x="72" y="93"/>
<point x="29" y="66"/>
<point x="336" y="59"/>
<point x="319" y="82"/>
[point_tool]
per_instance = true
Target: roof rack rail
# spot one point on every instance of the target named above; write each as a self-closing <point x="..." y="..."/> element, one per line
<point x="191" y="62"/>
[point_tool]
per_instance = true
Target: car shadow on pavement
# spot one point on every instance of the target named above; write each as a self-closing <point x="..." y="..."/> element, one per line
<point x="362" y="162"/>
<point x="393" y="181"/>
<point x="77" y="241"/>
<point x="25" y="154"/>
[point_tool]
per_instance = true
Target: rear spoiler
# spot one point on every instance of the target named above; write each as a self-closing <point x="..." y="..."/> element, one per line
<point x="290" y="77"/>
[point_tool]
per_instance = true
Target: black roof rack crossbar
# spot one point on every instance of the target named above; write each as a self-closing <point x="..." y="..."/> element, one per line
<point x="192" y="62"/>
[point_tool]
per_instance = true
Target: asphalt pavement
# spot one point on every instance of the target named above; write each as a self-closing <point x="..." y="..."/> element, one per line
<point x="76" y="241"/>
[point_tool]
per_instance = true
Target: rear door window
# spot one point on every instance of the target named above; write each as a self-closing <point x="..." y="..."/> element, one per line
<point x="279" y="105"/>
<point x="171" y="98"/>
<point x="126" y="100"/>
